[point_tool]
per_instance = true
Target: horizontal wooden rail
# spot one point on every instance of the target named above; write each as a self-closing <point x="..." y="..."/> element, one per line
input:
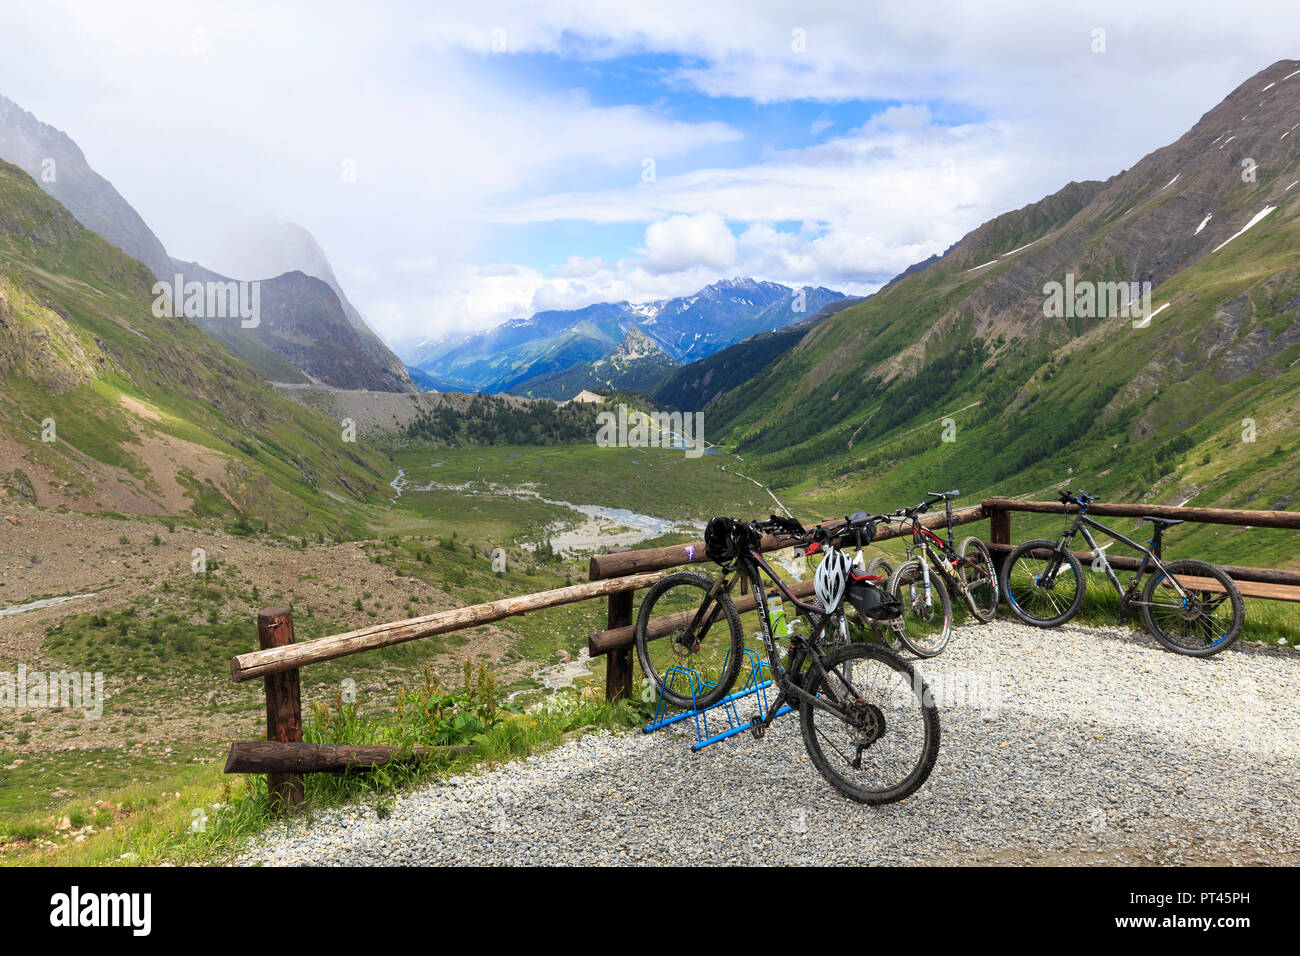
<point x="1269" y="592"/>
<point x="1232" y="516"/>
<point x="275" y="660"/>
<point x="602" y="642"/>
<point x="605" y="566"/>
<point x="1124" y="562"/>
<point x="270" y="756"/>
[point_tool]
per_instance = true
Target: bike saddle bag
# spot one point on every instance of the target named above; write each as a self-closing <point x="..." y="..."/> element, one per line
<point x="862" y="530"/>
<point x="791" y="525"/>
<point x="722" y="539"/>
<point x="873" y="602"/>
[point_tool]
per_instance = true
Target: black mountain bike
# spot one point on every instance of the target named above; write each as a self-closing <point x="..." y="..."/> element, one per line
<point x="1191" y="607"/>
<point x="935" y="568"/>
<point x="867" y="718"/>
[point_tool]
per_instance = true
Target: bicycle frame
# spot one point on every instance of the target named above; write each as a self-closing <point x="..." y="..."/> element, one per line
<point x="1150" y="557"/>
<point x="923" y="547"/>
<point x="754" y="566"/>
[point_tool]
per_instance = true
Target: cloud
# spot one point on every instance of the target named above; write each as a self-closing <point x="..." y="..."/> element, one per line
<point x="681" y="242"/>
<point x="205" y="114"/>
<point x="869" y="203"/>
<point x="577" y="267"/>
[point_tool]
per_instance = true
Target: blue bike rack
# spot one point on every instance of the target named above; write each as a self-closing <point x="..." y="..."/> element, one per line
<point x="756" y="685"/>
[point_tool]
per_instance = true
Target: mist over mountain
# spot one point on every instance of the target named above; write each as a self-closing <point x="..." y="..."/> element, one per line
<point x="59" y="167"/>
<point x="269" y="251"/>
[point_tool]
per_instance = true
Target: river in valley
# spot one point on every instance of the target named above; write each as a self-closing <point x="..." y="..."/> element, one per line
<point x="598" y="525"/>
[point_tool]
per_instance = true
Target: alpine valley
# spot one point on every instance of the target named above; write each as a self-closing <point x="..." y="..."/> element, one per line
<point x="165" y="476"/>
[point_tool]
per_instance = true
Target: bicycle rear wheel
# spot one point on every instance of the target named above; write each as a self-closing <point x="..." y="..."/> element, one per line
<point x="887" y="743"/>
<point x="926" y="624"/>
<point x="715" y="652"/>
<point x="980" y="576"/>
<point x="1035" y="599"/>
<point x="1206" y="621"/>
<point x="882" y="567"/>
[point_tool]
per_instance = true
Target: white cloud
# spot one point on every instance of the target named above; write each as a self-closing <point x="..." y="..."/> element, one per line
<point x="681" y="242"/>
<point x="577" y="267"/>
<point x="870" y="203"/>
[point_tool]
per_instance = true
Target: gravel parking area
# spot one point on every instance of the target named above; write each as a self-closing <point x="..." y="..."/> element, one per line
<point x="1076" y="745"/>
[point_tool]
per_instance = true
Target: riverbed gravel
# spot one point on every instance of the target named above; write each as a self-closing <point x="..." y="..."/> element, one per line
<point x="1074" y="745"/>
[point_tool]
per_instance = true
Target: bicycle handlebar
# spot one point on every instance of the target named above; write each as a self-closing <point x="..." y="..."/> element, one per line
<point x="1081" y="498"/>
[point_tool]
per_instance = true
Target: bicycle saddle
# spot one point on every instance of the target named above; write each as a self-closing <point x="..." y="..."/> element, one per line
<point x="1164" y="521"/>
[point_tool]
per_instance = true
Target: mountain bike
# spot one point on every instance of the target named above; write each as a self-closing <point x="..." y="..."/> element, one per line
<point x="1189" y="606"/>
<point x="934" y="568"/>
<point x="867" y="718"/>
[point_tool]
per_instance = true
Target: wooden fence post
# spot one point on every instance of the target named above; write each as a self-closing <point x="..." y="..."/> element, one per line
<point x="999" y="533"/>
<point x="283" y="705"/>
<point x="618" y="663"/>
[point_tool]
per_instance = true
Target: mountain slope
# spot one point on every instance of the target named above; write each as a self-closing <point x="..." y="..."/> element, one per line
<point x="278" y="248"/>
<point x="59" y="167"/>
<point x="104" y="406"/>
<point x="553" y="341"/>
<point x="1137" y="413"/>
<point x="696" y="386"/>
<point x="32" y="146"/>
<point x="721" y="314"/>
<point x="302" y="334"/>
<point x="637" y="365"/>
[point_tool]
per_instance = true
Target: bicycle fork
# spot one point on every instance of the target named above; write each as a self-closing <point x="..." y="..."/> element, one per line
<point x="925" y="579"/>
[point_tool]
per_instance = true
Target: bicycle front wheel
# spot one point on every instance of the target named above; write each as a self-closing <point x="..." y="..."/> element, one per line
<point x="1203" y="622"/>
<point x="926" y="624"/>
<point x="883" y="633"/>
<point x="886" y="743"/>
<point x="694" y="672"/>
<point x="1035" y="597"/>
<point x="980" y="576"/>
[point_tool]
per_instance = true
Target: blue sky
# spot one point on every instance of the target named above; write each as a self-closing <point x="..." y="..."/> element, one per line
<point x="463" y="164"/>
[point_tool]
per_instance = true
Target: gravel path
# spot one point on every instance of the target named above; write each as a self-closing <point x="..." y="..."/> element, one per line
<point x="1067" y="746"/>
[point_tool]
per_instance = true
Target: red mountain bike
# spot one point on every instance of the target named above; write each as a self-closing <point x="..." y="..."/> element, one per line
<point x="934" y="568"/>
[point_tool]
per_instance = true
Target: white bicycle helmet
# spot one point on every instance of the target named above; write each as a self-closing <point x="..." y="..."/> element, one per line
<point x="832" y="578"/>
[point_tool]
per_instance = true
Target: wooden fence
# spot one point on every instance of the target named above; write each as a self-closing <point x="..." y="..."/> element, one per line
<point x="1266" y="583"/>
<point x="616" y="576"/>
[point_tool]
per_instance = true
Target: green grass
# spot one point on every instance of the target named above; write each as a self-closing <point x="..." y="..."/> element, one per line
<point x="652" y="481"/>
<point x="198" y="815"/>
<point x="28" y="791"/>
<point x="1267" y="622"/>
